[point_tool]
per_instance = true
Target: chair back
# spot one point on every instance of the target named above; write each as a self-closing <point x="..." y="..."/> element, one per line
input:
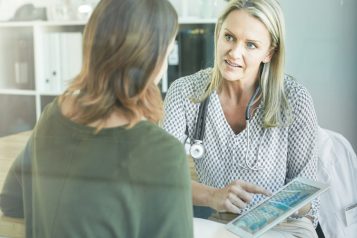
<point x="337" y="166"/>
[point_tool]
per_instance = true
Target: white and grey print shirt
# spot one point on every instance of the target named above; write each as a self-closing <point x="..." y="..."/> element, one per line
<point x="286" y="152"/>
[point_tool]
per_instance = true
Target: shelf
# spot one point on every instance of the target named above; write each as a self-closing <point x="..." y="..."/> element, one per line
<point x="43" y="23"/>
<point x="16" y="24"/>
<point x="17" y="92"/>
<point x="50" y="93"/>
<point x="197" y="20"/>
<point x="182" y="20"/>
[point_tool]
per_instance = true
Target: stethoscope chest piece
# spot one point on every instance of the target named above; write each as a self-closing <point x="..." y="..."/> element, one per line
<point x="197" y="150"/>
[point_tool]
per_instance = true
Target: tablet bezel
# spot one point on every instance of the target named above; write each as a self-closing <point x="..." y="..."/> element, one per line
<point x="240" y="232"/>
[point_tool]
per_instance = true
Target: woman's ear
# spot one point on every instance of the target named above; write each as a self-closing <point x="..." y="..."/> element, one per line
<point x="269" y="56"/>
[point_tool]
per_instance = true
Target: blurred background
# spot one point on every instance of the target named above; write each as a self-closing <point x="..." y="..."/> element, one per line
<point x="40" y="50"/>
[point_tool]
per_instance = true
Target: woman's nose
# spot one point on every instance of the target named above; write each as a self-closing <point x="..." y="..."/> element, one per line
<point x="237" y="51"/>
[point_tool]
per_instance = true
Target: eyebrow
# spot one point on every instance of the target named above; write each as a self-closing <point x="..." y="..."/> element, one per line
<point x="247" y="39"/>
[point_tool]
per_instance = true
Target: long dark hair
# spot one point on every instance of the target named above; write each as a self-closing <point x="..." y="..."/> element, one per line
<point x="124" y="42"/>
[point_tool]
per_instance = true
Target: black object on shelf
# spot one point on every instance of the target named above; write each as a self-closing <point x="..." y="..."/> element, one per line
<point x="17" y="69"/>
<point x="24" y="60"/>
<point x="196" y="51"/>
<point x="28" y="12"/>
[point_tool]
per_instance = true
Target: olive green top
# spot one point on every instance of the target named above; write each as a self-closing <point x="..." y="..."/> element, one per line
<point x="68" y="182"/>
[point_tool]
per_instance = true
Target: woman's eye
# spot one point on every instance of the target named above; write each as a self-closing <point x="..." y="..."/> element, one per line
<point x="251" y="46"/>
<point x="229" y="38"/>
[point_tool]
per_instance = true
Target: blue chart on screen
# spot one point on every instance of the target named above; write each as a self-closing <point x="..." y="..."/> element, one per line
<point x="258" y="224"/>
<point x="288" y="202"/>
<point x="276" y="206"/>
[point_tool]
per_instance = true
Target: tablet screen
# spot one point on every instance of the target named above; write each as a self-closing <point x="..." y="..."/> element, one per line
<point x="279" y="204"/>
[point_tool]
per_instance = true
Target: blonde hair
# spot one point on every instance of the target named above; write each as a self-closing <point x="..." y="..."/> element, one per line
<point x="124" y="42"/>
<point x="272" y="73"/>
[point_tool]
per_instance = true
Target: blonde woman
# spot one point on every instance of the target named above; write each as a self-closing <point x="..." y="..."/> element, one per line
<point x="249" y="59"/>
<point x="97" y="164"/>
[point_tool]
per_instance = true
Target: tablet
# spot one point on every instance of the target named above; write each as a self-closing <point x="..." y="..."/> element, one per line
<point x="275" y="209"/>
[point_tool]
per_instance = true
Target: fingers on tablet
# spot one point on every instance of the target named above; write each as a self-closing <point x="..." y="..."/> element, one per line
<point x="253" y="188"/>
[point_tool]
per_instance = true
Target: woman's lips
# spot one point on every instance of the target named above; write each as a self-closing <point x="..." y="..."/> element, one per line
<point x="232" y="65"/>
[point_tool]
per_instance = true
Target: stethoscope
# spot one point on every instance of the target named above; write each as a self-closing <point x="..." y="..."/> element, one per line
<point x="198" y="150"/>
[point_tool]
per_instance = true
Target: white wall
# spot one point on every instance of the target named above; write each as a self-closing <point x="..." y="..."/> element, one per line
<point x="322" y="55"/>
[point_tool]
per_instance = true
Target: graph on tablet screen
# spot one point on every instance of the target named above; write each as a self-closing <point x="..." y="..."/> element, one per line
<point x="279" y="204"/>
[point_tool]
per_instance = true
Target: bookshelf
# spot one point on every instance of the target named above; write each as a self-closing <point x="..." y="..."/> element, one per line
<point x="36" y="60"/>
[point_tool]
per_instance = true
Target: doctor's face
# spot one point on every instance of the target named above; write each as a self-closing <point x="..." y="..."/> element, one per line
<point x="243" y="44"/>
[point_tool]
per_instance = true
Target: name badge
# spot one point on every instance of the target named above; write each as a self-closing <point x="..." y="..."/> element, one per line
<point x="351" y="214"/>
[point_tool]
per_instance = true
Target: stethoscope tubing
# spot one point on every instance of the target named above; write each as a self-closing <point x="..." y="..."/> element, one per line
<point x="201" y="120"/>
<point x="246" y="153"/>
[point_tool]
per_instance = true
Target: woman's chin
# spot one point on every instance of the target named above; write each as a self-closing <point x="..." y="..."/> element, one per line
<point x="230" y="76"/>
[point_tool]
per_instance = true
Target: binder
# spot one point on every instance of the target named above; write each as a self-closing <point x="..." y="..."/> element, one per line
<point x="71" y="57"/>
<point x="62" y="59"/>
<point x="52" y="62"/>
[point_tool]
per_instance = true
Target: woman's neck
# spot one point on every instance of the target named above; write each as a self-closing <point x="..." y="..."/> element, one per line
<point x="116" y="119"/>
<point x="238" y="91"/>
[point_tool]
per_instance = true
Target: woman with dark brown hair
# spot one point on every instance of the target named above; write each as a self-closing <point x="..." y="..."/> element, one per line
<point x="97" y="164"/>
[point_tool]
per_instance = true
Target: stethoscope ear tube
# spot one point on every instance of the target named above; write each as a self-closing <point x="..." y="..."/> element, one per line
<point x="247" y="111"/>
<point x="197" y="149"/>
<point x="203" y="129"/>
<point x="199" y="121"/>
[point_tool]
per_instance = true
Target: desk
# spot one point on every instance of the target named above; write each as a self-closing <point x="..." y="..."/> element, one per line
<point x="10" y="148"/>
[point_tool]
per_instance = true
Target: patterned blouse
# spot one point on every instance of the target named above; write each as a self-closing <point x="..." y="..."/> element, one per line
<point x="286" y="152"/>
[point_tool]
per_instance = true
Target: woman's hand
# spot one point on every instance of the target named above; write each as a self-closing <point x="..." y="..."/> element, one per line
<point x="235" y="196"/>
<point x="303" y="210"/>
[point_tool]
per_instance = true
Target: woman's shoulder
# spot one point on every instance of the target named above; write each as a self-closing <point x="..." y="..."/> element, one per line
<point x="159" y="138"/>
<point x="191" y="84"/>
<point x="159" y="146"/>
<point x="294" y="88"/>
<point x="296" y="93"/>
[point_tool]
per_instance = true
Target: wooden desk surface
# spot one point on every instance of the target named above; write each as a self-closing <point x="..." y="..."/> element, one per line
<point x="10" y="148"/>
